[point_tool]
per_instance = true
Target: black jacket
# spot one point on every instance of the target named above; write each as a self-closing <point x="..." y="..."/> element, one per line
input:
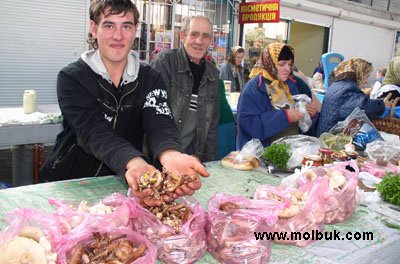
<point x="101" y="134"/>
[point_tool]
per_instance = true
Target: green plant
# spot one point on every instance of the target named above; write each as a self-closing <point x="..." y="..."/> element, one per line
<point x="389" y="188"/>
<point x="278" y="155"/>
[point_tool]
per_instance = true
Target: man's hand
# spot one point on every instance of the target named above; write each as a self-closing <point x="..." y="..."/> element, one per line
<point x="134" y="170"/>
<point x="183" y="164"/>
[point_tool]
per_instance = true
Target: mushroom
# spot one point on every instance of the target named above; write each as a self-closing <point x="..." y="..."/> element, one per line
<point x="22" y="250"/>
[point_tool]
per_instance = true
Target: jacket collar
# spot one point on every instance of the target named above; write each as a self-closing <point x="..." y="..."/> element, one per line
<point x="93" y="60"/>
<point x="183" y="65"/>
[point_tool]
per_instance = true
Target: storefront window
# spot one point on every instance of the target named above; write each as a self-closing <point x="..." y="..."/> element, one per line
<point x="258" y="36"/>
<point x="161" y="22"/>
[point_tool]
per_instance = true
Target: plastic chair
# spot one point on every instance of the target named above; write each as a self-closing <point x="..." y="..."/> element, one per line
<point x="329" y="61"/>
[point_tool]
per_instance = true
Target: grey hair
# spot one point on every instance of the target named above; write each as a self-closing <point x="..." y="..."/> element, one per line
<point x="186" y="23"/>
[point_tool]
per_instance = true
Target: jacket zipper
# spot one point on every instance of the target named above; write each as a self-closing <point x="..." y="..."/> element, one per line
<point x="58" y="160"/>
<point x="118" y="104"/>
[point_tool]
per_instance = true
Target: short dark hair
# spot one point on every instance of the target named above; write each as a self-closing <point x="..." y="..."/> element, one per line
<point x="99" y="7"/>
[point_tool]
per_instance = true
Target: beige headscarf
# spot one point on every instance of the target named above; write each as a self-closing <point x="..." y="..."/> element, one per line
<point x="267" y="66"/>
<point x="232" y="59"/>
<point x="356" y="69"/>
<point x="393" y="72"/>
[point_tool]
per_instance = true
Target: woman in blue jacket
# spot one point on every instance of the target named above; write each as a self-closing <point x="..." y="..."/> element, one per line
<point x="344" y="95"/>
<point x="266" y="106"/>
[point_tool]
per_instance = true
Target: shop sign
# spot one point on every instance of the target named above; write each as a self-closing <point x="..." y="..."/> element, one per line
<point x="259" y="12"/>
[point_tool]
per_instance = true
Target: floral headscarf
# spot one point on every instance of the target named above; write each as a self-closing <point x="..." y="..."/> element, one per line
<point x="267" y="66"/>
<point x="393" y="72"/>
<point x="355" y="69"/>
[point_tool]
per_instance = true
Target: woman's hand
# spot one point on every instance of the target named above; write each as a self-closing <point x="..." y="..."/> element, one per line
<point x="312" y="108"/>
<point x="293" y="115"/>
<point x="387" y="103"/>
<point x="134" y="169"/>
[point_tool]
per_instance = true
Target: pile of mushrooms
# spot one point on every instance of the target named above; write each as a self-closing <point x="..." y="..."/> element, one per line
<point x="172" y="213"/>
<point x="105" y="248"/>
<point x="30" y="247"/>
<point x="164" y="183"/>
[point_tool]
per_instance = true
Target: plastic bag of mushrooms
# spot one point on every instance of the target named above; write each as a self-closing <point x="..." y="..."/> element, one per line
<point x="29" y="237"/>
<point x="340" y="198"/>
<point x="104" y="244"/>
<point x="304" y="209"/>
<point x="114" y="210"/>
<point x="176" y="229"/>
<point x="231" y="224"/>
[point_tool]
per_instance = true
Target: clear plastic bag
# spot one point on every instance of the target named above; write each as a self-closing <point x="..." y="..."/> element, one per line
<point x="383" y="152"/>
<point x="253" y="148"/>
<point x="300" y="145"/>
<point x="359" y="127"/>
<point x="301" y="101"/>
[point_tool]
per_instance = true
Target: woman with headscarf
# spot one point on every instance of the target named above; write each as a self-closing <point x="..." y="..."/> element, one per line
<point x="345" y="94"/>
<point x="266" y="106"/>
<point x="232" y="69"/>
<point x="391" y="82"/>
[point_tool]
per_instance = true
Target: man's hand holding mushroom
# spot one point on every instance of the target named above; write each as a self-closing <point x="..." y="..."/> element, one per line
<point x="134" y="169"/>
<point x="184" y="165"/>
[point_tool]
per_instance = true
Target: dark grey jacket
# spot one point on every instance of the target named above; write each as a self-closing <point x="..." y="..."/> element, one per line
<point x="175" y="70"/>
<point x="226" y="73"/>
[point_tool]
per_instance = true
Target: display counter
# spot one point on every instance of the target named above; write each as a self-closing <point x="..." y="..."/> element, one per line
<point x="384" y="247"/>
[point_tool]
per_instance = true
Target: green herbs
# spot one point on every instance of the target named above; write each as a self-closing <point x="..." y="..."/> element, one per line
<point x="278" y="155"/>
<point x="389" y="188"/>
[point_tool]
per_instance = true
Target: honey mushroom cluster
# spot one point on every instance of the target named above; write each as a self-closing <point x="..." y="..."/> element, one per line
<point x="164" y="183"/>
<point x="172" y="213"/>
<point x="105" y="248"/>
<point x="229" y="239"/>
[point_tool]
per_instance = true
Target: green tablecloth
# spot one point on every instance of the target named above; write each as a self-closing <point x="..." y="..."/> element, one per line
<point x="383" y="248"/>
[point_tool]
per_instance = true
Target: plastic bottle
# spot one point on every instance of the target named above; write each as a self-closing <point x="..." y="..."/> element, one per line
<point x="29" y="101"/>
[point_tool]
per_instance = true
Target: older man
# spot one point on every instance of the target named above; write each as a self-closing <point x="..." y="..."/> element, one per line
<point x="193" y="88"/>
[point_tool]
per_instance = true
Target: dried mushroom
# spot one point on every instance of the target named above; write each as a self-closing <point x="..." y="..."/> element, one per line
<point x="173" y="214"/>
<point x="105" y="248"/>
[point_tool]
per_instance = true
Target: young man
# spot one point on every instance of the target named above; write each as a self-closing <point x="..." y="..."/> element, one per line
<point x="109" y="101"/>
<point x="193" y="88"/>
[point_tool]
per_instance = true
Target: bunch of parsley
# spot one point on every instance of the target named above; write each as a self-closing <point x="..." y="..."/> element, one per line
<point x="278" y="155"/>
<point x="389" y="188"/>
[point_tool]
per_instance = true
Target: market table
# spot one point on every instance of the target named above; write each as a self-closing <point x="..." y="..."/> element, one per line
<point x="383" y="248"/>
<point x="20" y="132"/>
